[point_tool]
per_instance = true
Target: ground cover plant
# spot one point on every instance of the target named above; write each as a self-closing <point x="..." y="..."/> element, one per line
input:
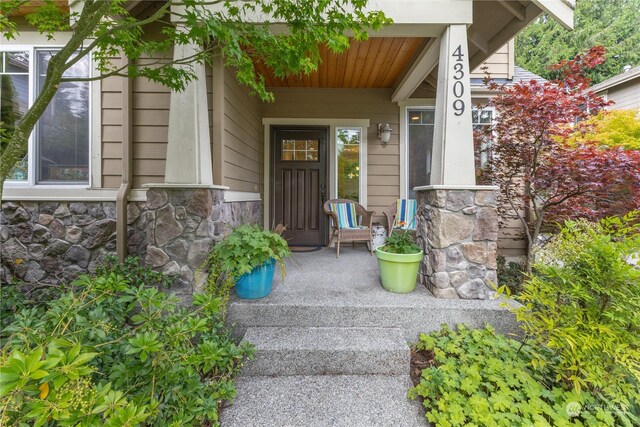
<point x="111" y="351"/>
<point x="578" y="360"/>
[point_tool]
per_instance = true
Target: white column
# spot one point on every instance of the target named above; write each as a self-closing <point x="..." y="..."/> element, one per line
<point x="189" y="147"/>
<point x="453" y="157"/>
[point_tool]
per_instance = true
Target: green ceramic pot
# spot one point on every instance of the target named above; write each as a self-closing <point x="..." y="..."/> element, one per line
<point x="398" y="272"/>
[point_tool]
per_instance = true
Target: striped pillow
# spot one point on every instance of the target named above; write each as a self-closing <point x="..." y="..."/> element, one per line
<point x="346" y="213"/>
<point x="406" y="214"/>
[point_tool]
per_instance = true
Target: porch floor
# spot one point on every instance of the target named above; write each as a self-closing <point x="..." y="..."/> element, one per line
<point x="320" y="290"/>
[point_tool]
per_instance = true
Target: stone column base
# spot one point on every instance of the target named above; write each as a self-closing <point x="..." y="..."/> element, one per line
<point x="458" y="231"/>
<point x="184" y="223"/>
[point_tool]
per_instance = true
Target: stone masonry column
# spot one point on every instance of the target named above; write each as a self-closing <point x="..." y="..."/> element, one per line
<point x="458" y="221"/>
<point x="458" y="230"/>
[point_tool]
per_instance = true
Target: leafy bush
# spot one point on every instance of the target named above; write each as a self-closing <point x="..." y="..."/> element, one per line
<point x="583" y="305"/>
<point x="245" y="248"/>
<point x="112" y="351"/>
<point x="401" y="243"/>
<point x="482" y="378"/>
<point x="510" y="274"/>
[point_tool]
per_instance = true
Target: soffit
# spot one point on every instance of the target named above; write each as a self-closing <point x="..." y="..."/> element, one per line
<point x="373" y="63"/>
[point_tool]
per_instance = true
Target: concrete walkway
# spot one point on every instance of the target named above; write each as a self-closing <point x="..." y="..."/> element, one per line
<point x="332" y="345"/>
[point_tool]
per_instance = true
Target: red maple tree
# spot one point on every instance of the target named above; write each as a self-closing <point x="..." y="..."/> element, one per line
<point x="543" y="178"/>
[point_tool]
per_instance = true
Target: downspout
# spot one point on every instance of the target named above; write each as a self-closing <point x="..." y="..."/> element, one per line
<point x="127" y="166"/>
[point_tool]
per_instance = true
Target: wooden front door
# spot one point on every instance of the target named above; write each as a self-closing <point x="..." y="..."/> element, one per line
<point x="299" y="166"/>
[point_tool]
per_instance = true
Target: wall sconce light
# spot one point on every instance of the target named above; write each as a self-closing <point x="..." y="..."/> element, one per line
<point x="384" y="132"/>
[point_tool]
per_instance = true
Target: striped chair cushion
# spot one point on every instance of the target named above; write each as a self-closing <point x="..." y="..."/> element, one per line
<point x="346" y="213"/>
<point x="406" y="214"/>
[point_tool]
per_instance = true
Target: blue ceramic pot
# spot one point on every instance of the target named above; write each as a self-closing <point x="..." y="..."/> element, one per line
<point x="256" y="284"/>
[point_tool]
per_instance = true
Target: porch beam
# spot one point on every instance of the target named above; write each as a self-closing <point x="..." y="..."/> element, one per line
<point x="453" y="158"/>
<point x="423" y="65"/>
<point x="559" y="10"/>
<point x="478" y="41"/>
<point x="410" y="12"/>
<point x="515" y="8"/>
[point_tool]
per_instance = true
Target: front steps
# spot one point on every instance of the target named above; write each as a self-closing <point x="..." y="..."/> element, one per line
<point x="324" y="400"/>
<point x="327" y="351"/>
<point x="332" y="345"/>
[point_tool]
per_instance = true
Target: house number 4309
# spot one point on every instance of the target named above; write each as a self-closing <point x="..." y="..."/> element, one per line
<point x="458" y="86"/>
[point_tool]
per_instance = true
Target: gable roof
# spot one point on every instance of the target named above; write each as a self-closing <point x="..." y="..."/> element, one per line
<point x="617" y="80"/>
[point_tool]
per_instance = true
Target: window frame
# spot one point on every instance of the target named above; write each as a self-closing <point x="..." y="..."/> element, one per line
<point x="493" y="119"/>
<point x="410" y="104"/>
<point x="362" y="180"/>
<point x="32" y="150"/>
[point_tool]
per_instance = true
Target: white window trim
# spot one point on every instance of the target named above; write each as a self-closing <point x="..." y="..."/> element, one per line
<point x="405" y="106"/>
<point x="332" y="124"/>
<point x="30" y="190"/>
<point x="493" y="119"/>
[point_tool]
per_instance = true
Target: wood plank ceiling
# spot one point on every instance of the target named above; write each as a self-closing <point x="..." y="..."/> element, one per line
<point x="32" y="5"/>
<point x="373" y="63"/>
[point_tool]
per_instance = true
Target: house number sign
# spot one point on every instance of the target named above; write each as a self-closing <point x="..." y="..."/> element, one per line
<point x="458" y="85"/>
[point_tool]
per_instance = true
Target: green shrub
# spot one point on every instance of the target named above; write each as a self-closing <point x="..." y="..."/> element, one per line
<point x="401" y="242"/>
<point x="482" y="378"/>
<point x="245" y="248"/>
<point x="112" y="351"/>
<point x="510" y="274"/>
<point x="583" y="305"/>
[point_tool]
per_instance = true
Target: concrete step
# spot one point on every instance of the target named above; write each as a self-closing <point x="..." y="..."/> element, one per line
<point x="324" y="400"/>
<point x="412" y="315"/>
<point x="327" y="351"/>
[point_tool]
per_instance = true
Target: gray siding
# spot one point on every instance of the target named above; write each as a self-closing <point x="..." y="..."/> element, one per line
<point x="626" y="96"/>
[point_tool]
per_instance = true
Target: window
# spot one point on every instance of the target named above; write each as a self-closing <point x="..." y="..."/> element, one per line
<point x="482" y="119"/>
<point x="420" y="127"/>
<point x="300" y="150"/>
<point x="348" y="150"/>
<point x="59" y="147"/>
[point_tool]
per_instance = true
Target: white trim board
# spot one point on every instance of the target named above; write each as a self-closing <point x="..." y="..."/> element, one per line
<point x="333" y="124"/>
<point x="46" y="193"/>
<point x="241" y="196"/>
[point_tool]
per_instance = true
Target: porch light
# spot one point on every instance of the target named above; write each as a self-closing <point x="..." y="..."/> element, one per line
<point x="384" y="132"/>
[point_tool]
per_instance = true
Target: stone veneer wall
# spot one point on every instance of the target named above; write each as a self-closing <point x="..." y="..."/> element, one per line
<point x="54" y="242"/>
<point x="458" y="230"/>
<point x="183" y="226"/>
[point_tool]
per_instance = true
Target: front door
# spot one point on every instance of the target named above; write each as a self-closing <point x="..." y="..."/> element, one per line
<point x="299" y="161"/>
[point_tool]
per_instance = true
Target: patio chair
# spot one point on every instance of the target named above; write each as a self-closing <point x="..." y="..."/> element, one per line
<point x="402" y="216"/>
<point x="350" y="221"/>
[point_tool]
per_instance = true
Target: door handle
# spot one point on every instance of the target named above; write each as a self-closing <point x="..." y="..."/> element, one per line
<point x="323" y="192"/>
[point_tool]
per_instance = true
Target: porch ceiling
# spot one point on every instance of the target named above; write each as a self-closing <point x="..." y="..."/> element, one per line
<point x="32" y="5"/>
<point x="373" y="63"/>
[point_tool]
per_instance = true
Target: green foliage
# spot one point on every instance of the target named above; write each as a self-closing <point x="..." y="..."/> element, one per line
<point x="401" y="243"/>
<point x="583" y="305"/>
<point x="617" y="128"/>
<point x="613" y="24"/>
<point x="482" y="378"/>
<point x="245" y="248"/>
<point x="111" y="351"/>
<point x="510" y="274"/>
<point x="134" y="272"/>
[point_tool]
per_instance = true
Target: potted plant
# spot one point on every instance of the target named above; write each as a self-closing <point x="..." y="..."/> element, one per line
<point x="399" y="260"/>
<point x="247" y="258"/>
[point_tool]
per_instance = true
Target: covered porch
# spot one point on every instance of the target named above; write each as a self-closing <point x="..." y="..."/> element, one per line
<point x="285" y="157"/>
